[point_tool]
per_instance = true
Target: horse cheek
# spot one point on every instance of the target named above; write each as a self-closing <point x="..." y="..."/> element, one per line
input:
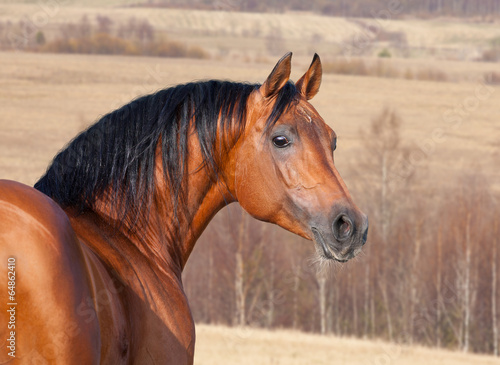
<point x="255" y="189"/>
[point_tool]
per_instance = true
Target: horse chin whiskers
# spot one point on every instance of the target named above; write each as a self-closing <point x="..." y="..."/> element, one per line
<point x="325" y="266"/>
<point x="321" y="263"/>
<point x="357" y="252"/>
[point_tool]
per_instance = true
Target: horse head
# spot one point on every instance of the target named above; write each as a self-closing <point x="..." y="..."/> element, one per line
<point x="284" y="171"/>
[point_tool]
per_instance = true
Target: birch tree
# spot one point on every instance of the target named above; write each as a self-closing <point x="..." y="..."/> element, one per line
<point x="384" y="152"/>
<point x="494" y="255"/>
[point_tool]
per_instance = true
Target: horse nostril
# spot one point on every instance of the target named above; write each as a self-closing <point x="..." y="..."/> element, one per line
<point x="342" y="227"/>
<point x="365" y="234"/>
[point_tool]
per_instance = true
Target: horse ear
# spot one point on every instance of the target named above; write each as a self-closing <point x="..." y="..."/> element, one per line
<point x="308" y="85"/>
<point x="278" y="77"/>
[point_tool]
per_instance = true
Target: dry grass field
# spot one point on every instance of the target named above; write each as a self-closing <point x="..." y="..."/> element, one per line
<point x="245" y="346"/>
<point x="243" y="35"/>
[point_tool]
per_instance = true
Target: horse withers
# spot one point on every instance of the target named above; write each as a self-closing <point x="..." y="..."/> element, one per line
<point x="100" y="243"/>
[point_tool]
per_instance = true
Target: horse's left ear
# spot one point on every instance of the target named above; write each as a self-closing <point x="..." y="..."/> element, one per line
<point x="308" y="85"/>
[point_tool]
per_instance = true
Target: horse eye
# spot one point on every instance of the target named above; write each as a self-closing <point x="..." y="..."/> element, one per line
<point x="281" y="141"/>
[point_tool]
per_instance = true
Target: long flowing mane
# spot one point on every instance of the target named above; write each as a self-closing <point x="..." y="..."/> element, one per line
<point x="117" y="155"/>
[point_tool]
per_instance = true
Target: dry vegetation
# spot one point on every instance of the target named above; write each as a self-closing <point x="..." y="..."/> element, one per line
<point x="438" y="142"/>
<point x="221" y="32"/>
<point x="101" y="36"/>
<point x="356" y="66"/>
<point x="248" y="346"/>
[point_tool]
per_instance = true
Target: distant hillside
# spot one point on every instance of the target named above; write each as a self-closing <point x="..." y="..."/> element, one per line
<point x="359" y="8"/>
<point x="484" y="9"/>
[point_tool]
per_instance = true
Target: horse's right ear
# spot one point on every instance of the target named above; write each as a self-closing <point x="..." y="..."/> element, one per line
<point x="278" y="78"/>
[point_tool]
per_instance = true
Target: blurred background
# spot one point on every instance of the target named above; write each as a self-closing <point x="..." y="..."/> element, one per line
<point x="412" y="88"/>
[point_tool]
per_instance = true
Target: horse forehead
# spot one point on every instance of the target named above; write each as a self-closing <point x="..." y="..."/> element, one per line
<point x="302" y="111"/>
<point x="306" y="113"/>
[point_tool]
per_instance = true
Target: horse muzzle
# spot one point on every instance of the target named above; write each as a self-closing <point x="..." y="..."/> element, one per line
<point x="343" y="239"/>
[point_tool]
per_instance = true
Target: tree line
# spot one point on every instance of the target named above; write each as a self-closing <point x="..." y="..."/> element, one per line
<point x="427" y="275"/>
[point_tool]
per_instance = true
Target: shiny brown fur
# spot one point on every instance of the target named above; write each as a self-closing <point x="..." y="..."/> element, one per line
<point x="88" y="294"/>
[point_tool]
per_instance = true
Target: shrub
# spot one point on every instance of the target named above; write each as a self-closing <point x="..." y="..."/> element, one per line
<point x="99" y="43"/>
<point x="491" y="55"/>
<point x="103" y="43"/>
<point x="430" y="74"/>
<point x="408" y="74"/>
<point x="40" y="38"/>
<point x="492" y="78"/>
<point x="341" y="66"/>
<point x="397" y="39"/>
<point x="384" y="53"/>
<point x="197" y="52"/>
<point x="137" y="38"/>
<point x="385" y="69"/>
<point x="381" y="68"/>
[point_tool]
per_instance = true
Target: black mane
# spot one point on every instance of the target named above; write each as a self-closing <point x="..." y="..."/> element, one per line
<point x="116" y="155"/>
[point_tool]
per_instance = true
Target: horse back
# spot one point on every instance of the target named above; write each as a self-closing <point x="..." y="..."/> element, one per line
<point x="51" y="293"/>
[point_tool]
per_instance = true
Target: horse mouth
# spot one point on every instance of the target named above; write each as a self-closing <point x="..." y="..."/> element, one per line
<point x="326" y="252"/>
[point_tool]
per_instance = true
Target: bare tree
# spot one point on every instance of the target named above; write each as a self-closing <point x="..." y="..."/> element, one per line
<point x="467" y="284"/>
<point x="270" y="283"/>
<point x="354" y="297"/>
<point x="295" y="290"/>
<point x="419" y="221"/>
<point x="84" y="27"/>
<point x="439" y="299"/>
<point x="494" y="323"/>
<point x="321" y="276"/>
<point x="384" y="153"/>
<point x="104" y="24"/>
<point x="367" y="296"/>
<point x="239" y="277"/>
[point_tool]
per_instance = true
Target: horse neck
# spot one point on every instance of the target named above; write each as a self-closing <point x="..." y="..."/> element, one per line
<point x="161" y="241"/>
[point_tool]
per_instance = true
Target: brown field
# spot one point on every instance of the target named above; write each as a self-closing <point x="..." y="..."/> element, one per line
<point x="243" y="35"/>
<point x="246" y="346"/>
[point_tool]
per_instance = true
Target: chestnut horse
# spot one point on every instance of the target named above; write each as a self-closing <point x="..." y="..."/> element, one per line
<point x="100" y="243"/>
